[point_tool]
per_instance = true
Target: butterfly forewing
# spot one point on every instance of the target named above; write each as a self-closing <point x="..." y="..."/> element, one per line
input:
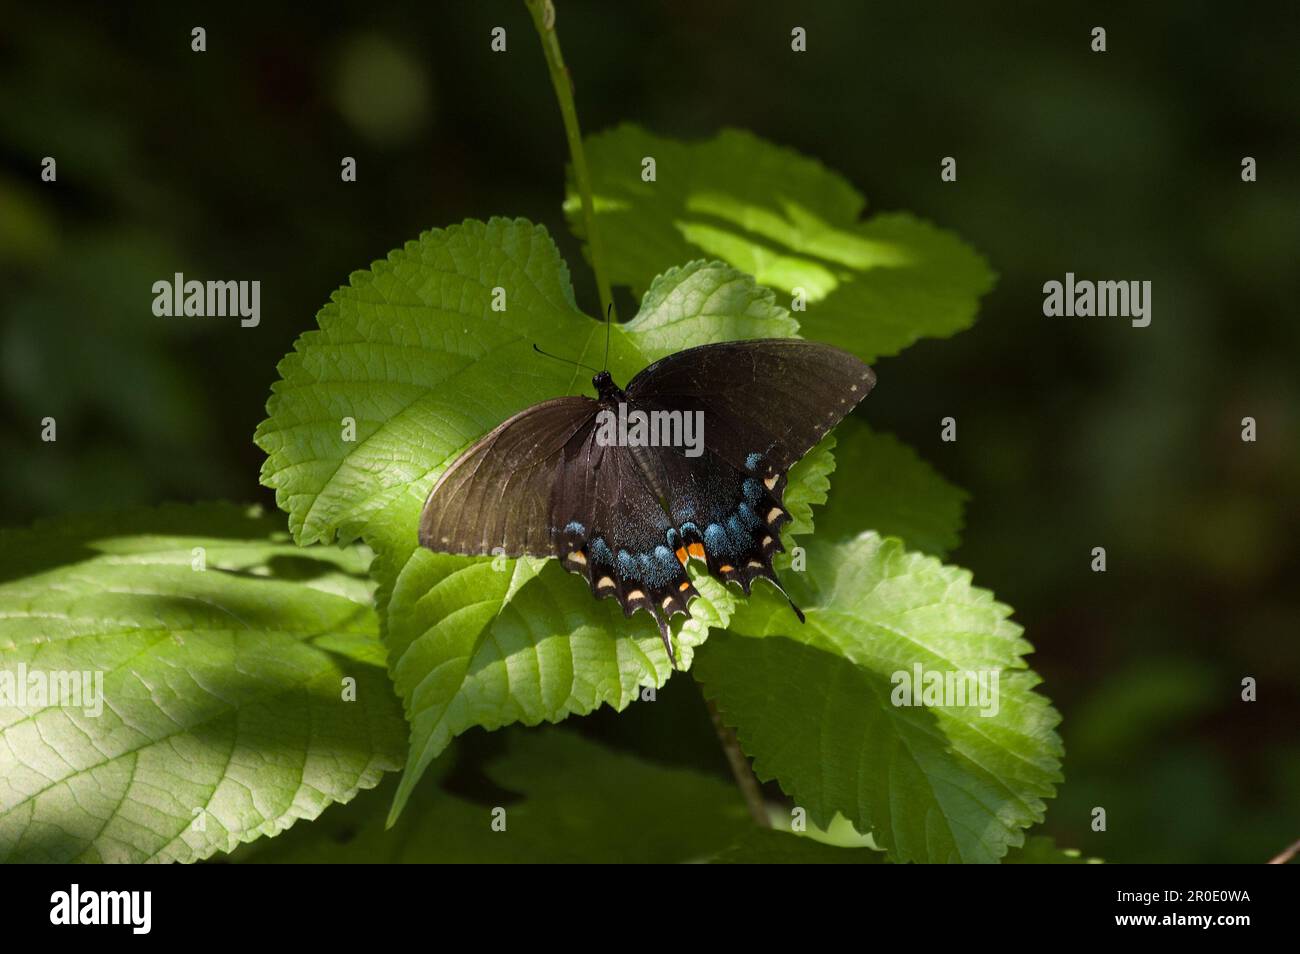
<point x="496" y="497"/>
<point x="775" y="397"/>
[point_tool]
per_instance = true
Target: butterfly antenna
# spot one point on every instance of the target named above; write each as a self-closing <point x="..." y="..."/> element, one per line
<point x="609" y="316"/>
<point x="565" y="360"/>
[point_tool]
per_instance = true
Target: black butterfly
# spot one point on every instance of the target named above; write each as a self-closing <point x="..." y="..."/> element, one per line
<point x="629" y="518"/>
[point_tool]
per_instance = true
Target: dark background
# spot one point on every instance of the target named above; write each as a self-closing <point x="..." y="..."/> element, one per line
<point x="1072" y="433"/>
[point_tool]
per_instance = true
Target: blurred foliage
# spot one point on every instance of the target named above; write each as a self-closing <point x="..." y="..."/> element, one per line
<point x="1072" y="434"/>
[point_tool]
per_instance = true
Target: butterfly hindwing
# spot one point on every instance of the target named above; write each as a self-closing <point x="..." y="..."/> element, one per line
<point x="617" y="533"/>
<point x="726" y="517"/>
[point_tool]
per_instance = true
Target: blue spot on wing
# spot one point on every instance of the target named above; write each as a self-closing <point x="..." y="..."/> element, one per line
<point x="626" y="565"/>
<point x="600" y="551"/>
<point x="748" y="519"/>
<point x="662" y="569"/>
<point x="737" y="534"/>
<point x="716" y="540"/>
<point x="574" y="527"/>
<point x="752" y="462"/>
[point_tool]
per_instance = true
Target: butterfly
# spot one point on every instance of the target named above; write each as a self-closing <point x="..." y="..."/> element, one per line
<point x="629" y="514"/>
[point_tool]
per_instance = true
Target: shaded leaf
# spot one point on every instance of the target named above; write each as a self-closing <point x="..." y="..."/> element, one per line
<point x="1042" y="850"/>
<point x="890" y="489"/>
<point x="570" y="800"/>
<point x="765" y="846"/>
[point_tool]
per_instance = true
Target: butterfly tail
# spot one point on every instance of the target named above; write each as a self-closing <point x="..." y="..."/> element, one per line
<point x="771" y="577"/>
<point x="665" y="633"/>
<point x="797" y="611"/>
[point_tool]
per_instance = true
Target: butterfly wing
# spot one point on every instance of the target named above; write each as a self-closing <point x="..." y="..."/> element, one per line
<point x="763" y="405"/>
<point x="541" y="484"/>
<point x="629" y="518"/>
<point x="497" y="496"/>
<point x="771" y="397"/>
<point x="725" y="517"/>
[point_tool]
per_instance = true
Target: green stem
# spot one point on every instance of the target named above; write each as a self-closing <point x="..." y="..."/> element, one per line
<point x="740" y="770"/>
<point x="543" y="13"/>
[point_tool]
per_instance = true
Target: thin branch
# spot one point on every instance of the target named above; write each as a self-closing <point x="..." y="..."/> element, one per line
<point x="543" y="13"/>
<point x="740" y="769"/>
<point x="1286" y="855"/>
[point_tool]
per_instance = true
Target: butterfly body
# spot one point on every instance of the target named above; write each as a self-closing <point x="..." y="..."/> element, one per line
<point x="630" y="516"/>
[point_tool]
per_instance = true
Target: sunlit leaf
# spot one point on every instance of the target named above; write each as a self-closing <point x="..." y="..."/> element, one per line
<point x="872" y="286"/>
<point x="944" y="781"/>
<point x="222" y="651"/>
<point x="414" y="352"/>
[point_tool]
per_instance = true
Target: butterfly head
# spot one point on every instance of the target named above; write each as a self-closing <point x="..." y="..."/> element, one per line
<point x="604" y="384"/>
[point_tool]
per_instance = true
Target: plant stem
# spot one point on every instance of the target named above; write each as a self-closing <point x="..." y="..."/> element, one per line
<point x="543" y="13"/>
<point x="740" y="769"/>
<point x="1286" y="855"/>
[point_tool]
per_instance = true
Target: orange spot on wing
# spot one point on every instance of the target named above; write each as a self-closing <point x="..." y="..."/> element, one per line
<point x="726" y="568"/>
<point x="696" y="550"/>
<point x="685" y="586"/>
<point x="682" y="556"/>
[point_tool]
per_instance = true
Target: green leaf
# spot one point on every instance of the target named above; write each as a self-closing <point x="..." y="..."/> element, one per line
<point x="1042" y="850"/>
<point x="572" y="801"/>
<point x="808" y="485"/>
<point x="222" y="714"/>
<point x="930" y="783"/>
<point x="764" y="846"/>
<point x="872" y="286"/>
<point x="414" y="353"/>
<point x="892" y="491"/>
<point x="705" y="300"/>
